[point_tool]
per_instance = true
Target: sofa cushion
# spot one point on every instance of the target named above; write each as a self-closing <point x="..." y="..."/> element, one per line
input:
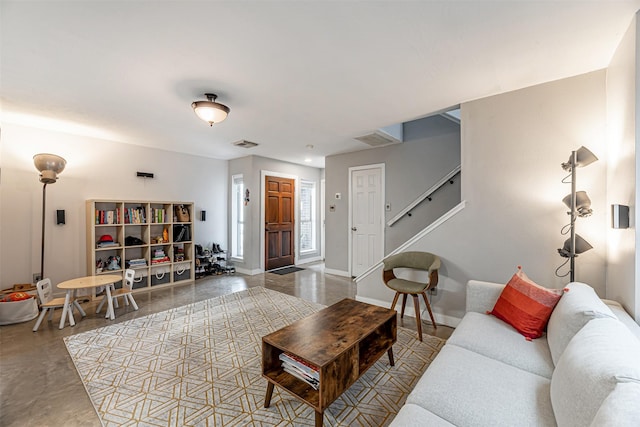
<point x="467" y="388"/>
<point x="494" y="338"/>
<point x="525" y="305"/>
<point x="621" y="408"/>
<point x="415" y="416"/>
<point x="579" y="305"/>
<point x="603" y="353"/>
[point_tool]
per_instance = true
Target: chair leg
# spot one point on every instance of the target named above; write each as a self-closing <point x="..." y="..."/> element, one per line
<point x="416" y="304"/>
<point x="395" y="301"/>
<point x="404" y="303"/>
<point x="40" y="318"/>
<point x="50" y="315"/>
<point x="133" y="302"/>
<point x="433" y="320"/>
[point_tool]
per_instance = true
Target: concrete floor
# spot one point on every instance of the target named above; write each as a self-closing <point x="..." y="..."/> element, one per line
<point x="39" y="386"/>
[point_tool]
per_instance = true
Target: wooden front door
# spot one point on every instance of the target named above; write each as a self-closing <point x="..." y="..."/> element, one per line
<point x="279" y="222"/>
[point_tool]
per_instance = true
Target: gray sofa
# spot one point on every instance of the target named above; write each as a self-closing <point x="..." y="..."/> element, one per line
<point x="585" y="371"/>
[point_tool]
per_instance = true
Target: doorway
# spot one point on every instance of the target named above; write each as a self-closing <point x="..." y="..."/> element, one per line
<point x="279" y="222"/>
<point x="366" y="217"/>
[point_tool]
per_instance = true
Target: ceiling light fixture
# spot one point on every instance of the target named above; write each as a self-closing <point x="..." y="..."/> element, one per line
<point x="210" y="111"/>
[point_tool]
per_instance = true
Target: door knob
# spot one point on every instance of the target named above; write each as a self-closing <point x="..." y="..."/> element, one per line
<point x="354" y="229"/>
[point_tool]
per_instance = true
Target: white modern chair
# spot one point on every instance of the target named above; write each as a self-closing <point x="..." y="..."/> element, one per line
<point x="125" y="292"/>
<point x="49" y="303"/>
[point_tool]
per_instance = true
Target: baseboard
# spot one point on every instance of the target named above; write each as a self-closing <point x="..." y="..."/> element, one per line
<point x="249" y="272"/>
<point x="337" y="272"/>
<point x="441" y="319"/>
<point x="309" y="260"/>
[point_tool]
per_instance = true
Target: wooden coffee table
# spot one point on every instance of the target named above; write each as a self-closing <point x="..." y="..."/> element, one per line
<point x="342" y="341"/>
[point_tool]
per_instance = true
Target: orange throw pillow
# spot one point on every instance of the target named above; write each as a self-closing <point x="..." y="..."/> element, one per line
<point x="526" y="305"/>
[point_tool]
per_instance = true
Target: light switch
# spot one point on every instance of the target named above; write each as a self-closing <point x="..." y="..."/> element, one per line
<point x="338" y="196"/>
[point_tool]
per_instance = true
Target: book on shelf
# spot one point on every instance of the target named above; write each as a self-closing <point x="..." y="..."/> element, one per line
<point x="107" y="217"/>
<point x="136" y="262"/>
<point x="300" y="369"/>
<point x="158" y="215"/>
<point x="301" y="375"/>
<point x="134" y="215"/>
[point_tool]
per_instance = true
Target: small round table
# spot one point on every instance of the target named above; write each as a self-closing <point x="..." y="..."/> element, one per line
<point x="71" y="286"/>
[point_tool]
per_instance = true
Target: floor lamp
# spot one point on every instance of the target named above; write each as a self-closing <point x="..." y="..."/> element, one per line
<point x="579" y="205"/>
<point x="49" y="166"/>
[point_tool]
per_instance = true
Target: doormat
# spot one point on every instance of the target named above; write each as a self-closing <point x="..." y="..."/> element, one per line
<point x="286" y="270"/>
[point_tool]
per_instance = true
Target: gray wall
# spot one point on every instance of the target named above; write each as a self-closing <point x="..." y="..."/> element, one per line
<point x="512" y="147"/>
<point x="251" y="167"/>
<point x="430" y="151"/>
<point x="623" y="260"/>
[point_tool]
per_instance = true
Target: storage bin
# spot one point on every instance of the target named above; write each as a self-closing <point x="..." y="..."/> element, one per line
<point x="140" y="280"/>
<point x="18" y="311"/>
<point x="160" y="276"/>
<point x="181" y="272"/>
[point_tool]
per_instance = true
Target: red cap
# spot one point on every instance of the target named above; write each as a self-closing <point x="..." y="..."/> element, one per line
<point x="105" y="238"/>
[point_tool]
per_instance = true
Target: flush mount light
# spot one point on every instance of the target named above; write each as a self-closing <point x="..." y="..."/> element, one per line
<point x="210" y="111"/>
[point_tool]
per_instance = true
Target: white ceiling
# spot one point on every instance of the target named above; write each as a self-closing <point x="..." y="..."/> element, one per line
<point x="293" y="73"/>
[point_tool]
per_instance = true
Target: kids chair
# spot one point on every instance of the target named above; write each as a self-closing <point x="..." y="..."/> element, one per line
<point x="48" y="303"/>
<point x="125" y="292"/>
<point x="412" y="260"/>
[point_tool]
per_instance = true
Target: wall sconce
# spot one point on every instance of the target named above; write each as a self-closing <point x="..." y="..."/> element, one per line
<point x="619" y="216"/>
<point x="60" y="217"/>
<point x="579" y="205"/>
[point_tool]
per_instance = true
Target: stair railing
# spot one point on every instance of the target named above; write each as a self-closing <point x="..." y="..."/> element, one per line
<point x="424" y="196"/>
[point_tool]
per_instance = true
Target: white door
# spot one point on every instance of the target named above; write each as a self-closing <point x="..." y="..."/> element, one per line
<point x="367" y="217"/>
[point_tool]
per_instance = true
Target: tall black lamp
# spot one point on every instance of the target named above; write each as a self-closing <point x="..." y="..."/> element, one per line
<point x="49" y="166"/>
<point x="579" y="205"/>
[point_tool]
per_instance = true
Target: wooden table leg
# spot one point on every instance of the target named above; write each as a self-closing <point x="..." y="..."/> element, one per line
<point x="390" y="353"/>
<point x="319" y="419"/>
<point x="267" y="397"/>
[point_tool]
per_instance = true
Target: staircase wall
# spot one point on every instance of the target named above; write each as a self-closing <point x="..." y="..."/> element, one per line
<point x="430" y="151"/>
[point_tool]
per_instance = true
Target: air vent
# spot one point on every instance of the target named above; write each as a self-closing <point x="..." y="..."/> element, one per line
<point x="393" y="134"/>
<point x="245" y="144"/>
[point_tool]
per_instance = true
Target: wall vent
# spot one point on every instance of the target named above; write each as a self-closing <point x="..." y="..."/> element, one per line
<point x="245" y="144"/>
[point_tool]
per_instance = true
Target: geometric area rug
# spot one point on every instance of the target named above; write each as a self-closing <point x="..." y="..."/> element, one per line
<point x="200" y="365"/>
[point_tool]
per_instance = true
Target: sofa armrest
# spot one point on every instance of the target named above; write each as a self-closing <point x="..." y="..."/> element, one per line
<point x="623" y="316"/>
<point x="482" y="296"/>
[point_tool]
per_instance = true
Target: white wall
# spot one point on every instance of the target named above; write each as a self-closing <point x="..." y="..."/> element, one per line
<point x="512" y="147"/>
<point x="95" y="169"/>
<point x="623" y="262"/>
